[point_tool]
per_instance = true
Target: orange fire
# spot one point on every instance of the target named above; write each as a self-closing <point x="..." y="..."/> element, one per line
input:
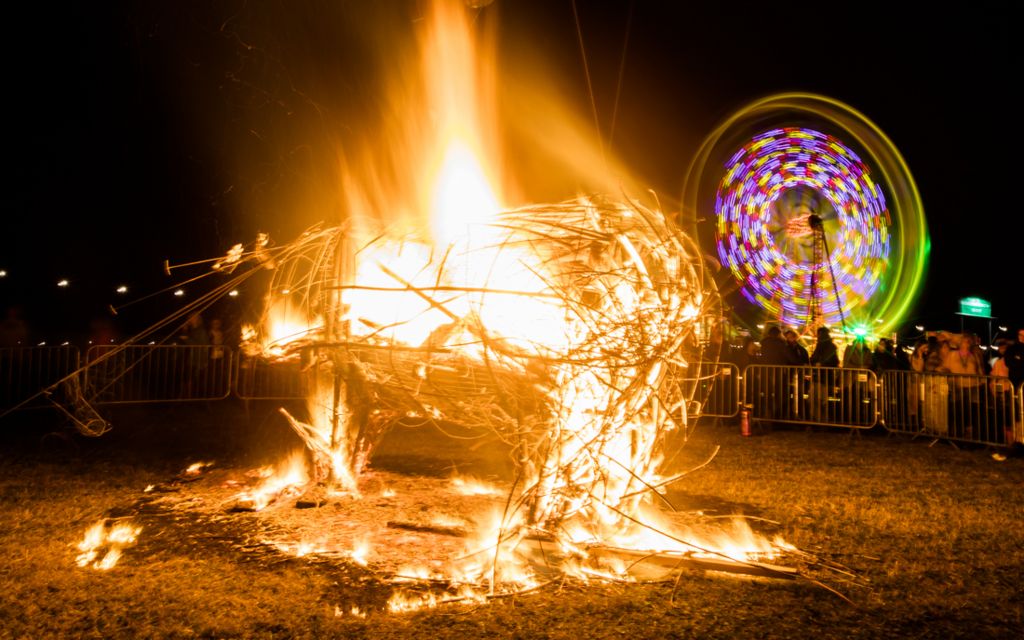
<point x="104" y="542"/>
<point x="467" y="282"/>
<point x="468" y="486"/>
<point x="289" y="478"/>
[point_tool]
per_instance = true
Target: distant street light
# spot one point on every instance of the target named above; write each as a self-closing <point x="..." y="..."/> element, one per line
<point x="3" y="273"/>
<point x="122" y="289"/>
<point x="233" y="293"/>
<point x="919" y="327"/>
<point x="179" y="292"/>
<point x="62" y="283"/>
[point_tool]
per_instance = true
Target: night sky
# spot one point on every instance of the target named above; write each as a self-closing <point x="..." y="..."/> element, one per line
<point x="151" y="131"/>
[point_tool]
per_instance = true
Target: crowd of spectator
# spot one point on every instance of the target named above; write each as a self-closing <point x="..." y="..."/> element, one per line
<point x="937" y="352"/>
<point x="953" y="386"/>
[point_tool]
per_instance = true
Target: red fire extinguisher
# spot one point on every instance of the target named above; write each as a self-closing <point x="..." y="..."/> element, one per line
<point x="744" y="421"/>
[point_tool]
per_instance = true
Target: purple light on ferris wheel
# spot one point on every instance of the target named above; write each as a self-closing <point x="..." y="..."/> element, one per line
<point x="764" y="206"/>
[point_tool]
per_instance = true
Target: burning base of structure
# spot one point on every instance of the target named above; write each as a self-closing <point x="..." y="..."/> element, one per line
<point x="414" y="541"/>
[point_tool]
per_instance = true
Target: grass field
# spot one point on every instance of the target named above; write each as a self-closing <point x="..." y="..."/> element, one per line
<point x="931" y="535"/>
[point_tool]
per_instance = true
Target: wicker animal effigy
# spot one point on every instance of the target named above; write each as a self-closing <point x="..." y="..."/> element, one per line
<point x="604" y="308"/>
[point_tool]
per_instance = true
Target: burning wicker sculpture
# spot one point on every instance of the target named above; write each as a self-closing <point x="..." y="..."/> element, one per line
<point x="568" y="330"/>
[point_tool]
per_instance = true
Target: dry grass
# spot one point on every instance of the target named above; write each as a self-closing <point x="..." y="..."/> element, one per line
<point x="934" y="531"/>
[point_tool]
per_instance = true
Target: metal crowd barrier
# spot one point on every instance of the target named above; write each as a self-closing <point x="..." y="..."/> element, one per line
<point x="978" y="409"/>
<point x="1018" y="422"/>
<point x="260" y="380"/>
<point x="718" y="388"/>
<point x="121" y="374"/>
<point x="25" y="371"/>
<point x="811" y="395"/>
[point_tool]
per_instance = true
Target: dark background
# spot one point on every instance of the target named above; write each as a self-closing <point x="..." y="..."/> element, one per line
<point x="140" y="132"/>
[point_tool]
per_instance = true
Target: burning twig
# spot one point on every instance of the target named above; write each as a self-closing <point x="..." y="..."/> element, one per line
<point x="678" y="476"/>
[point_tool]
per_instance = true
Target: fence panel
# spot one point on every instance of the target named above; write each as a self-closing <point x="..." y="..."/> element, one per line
<point x="260" y="380"/>
<point x="25" y="371"/>
<point x="1018" y="417"/>
<point x="979" y="409"/>
<point x="718" y="387"/>
<point x="811" y="395"/>
<point x="121" y="374"/>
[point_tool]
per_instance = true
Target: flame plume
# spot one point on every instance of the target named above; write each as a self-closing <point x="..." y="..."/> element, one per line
<point x="568" y="330"/>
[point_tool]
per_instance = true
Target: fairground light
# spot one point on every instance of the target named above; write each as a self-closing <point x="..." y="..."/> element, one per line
<point x="815" y="215"/>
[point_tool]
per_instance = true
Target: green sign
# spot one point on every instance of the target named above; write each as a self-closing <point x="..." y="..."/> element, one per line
<point x="975" y="307"/>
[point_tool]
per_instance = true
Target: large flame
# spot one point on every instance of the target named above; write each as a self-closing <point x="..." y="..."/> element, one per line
<point x="461" y="279"/>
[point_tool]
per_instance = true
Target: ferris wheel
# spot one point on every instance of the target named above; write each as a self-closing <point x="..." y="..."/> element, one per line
<point x="812" y="214"/>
